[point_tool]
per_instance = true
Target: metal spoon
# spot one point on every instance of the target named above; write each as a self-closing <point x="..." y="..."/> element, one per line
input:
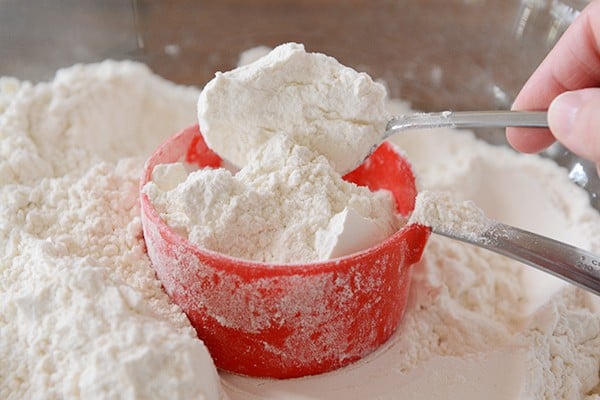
<point x="459" y="119"/>
<point x="466" y="119"/>
<point x="562" y="260"/>
<point x="462" y="119"/>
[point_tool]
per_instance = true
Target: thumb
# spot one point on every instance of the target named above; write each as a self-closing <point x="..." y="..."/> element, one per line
<point x="574" y="119"/>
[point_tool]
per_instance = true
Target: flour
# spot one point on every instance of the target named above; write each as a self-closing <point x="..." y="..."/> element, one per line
<point x="444" y="214"/>
<point x="287" y="205"/>
<point x="321" y="104"/>
<point x="83" y="316"/>
<point x="277" y="118"/>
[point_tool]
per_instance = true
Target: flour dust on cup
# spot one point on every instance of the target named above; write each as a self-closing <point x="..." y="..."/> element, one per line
<point x="287" y="320"/>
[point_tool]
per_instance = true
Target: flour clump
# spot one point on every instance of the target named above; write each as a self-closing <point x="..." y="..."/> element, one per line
<point x="310" y="97"/>
<point x="447" y="215"/>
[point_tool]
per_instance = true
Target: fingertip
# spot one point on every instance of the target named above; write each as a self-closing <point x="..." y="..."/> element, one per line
<point x="529" y="140"/>
<point x="575" y="121"/>
<point x="562" y="114"/>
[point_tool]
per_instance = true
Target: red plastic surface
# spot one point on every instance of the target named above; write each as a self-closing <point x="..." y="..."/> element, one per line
<point x="288" y="320"/>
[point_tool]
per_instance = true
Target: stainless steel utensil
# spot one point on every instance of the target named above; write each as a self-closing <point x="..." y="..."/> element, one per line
<point x="567" y="262"/>
<point x="466" y="119"/>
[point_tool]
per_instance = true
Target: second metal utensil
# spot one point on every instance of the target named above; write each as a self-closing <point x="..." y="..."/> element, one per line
<point x="572" y="264"/>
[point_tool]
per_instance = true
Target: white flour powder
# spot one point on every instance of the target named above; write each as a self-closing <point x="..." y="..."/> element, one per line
<point x="82" y="315"/>
<point x="442" y="212"/>
<point x="287" y="205"/>
<point x="321" y="104"/>
<point x="275" y="117"/>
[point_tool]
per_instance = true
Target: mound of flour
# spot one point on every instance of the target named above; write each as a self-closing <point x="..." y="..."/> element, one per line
<point x="292" y="120"/>
<point x="83" y="316"/>
<point x="287" y="205"/>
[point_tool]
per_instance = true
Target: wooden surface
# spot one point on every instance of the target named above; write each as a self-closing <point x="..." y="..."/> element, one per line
<point x="438" y="54"/>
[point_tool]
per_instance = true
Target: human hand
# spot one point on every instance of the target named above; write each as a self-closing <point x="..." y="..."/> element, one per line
<point x="567" y="84"/>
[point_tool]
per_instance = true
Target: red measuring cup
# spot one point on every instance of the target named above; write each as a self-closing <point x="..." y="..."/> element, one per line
<point x="287" y="320"/>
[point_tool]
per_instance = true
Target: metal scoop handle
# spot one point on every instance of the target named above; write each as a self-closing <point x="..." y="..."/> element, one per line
<point x="466" y="119"/>
<point x="562" y="260"/>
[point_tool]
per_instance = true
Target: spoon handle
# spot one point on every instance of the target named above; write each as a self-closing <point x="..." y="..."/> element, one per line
<point x="567" y="262"/>
<point x="466" y="119"/>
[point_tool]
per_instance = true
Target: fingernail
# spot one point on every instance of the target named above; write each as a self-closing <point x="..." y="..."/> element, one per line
<point x="563" y="112"/>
